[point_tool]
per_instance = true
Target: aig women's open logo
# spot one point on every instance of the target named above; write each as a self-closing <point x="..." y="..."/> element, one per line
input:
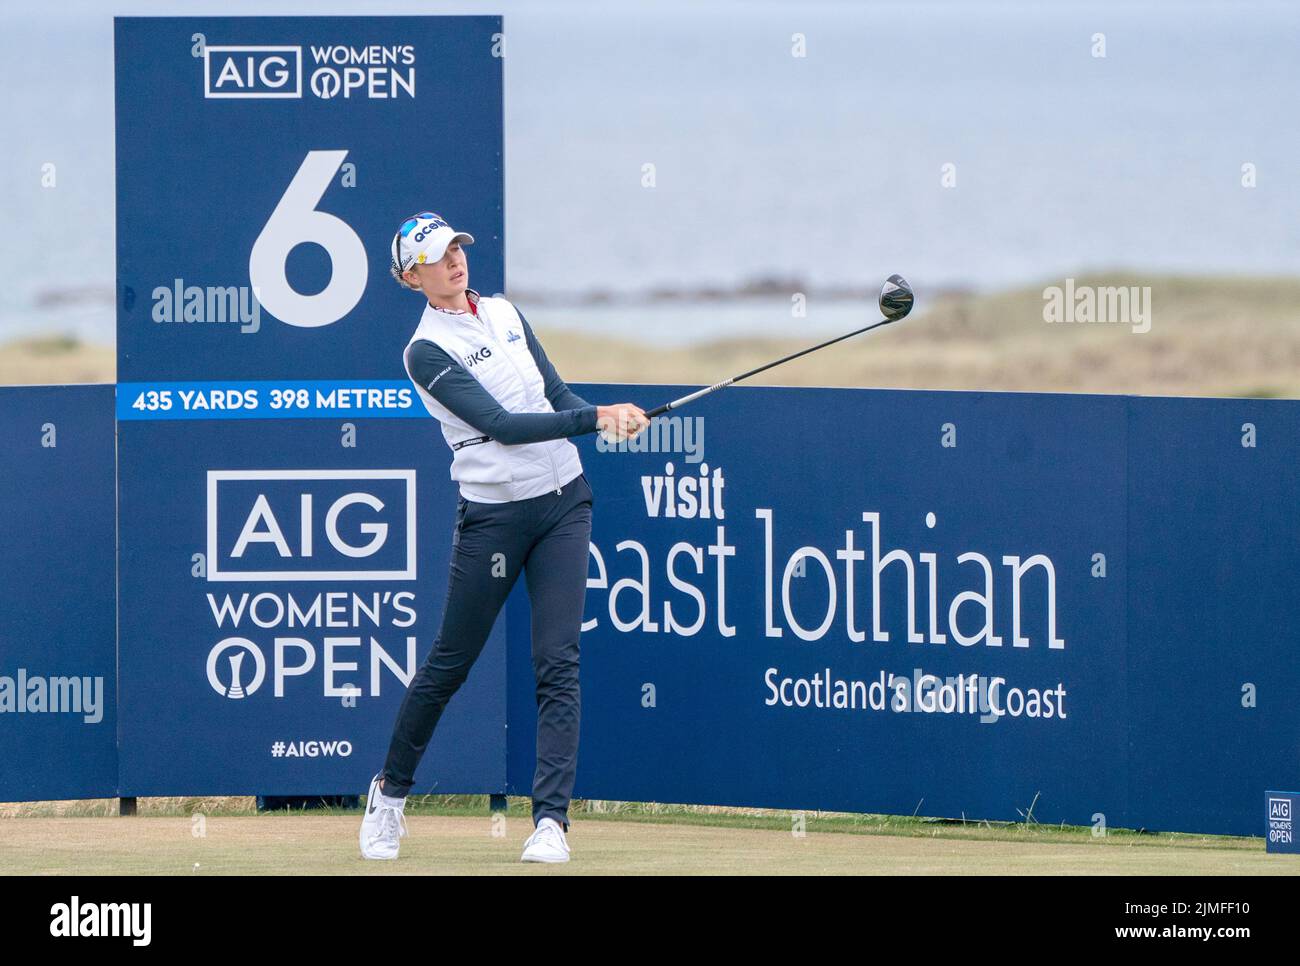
<point x="311" y="525"/>
<point x="374" y="72"/>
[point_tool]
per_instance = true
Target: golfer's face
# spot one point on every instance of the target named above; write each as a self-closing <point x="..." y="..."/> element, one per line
<point x="451" y="272"/>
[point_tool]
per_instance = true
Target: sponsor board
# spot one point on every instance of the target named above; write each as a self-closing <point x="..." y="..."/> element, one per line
<point x="272" y="614"/>
<point x="285" y="503"/>
<point x="1279" y="821"/>
<point x="58" y="667"/>
<point x="263" y="165"/>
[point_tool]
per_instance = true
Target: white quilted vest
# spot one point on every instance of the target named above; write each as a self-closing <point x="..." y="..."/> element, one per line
<point x="492" y="472"/>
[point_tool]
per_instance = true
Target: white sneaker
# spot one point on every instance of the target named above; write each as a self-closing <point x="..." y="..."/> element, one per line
<point x="546" y="844"/>
<point x="383" y="824"/>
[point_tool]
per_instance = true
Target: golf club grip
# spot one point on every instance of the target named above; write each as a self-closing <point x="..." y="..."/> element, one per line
<point x="659" y="410"/>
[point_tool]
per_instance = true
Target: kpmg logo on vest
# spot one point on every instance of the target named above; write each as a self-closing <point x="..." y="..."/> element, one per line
<point x="311" y="525"/>
<point x="250" y="71"/>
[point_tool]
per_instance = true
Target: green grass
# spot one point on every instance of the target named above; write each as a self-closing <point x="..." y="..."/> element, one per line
<point x="653" y="813"/>
<point x="456" y="835"/>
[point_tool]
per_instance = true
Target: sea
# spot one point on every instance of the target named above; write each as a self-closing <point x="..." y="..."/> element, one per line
<point x="796" y="147"/>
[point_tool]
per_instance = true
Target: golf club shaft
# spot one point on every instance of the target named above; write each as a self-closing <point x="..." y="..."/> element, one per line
<point x="658" y="410"/>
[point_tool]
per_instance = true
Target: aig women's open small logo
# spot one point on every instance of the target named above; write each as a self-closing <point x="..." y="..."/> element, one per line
<point x="333" y="70"/>
<point x="1281" y="830"/>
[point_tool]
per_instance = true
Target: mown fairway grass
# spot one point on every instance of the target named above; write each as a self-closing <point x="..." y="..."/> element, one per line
<point x="457" y="836"/>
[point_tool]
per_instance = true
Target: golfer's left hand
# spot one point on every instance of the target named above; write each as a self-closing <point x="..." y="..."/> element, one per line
<point x="623" y="419"/>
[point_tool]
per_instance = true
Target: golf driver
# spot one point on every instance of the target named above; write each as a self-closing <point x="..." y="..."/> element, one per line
<point x="895" y="302"/>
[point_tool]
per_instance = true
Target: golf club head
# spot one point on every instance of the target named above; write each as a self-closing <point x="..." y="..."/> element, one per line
<point x="895" y="298"/>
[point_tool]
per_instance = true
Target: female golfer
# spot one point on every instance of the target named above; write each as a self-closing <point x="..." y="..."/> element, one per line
<point x="524" y="505"/>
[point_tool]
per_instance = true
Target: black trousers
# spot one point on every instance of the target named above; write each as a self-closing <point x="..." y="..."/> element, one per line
<point x="547" y="537"/>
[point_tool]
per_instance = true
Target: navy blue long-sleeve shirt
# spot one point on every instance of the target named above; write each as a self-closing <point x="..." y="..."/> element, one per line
<point x="454" y="387"/>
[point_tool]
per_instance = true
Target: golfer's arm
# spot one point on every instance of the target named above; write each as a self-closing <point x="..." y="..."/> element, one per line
<point x="447" y="381"/>
<point x="557" y="391"/>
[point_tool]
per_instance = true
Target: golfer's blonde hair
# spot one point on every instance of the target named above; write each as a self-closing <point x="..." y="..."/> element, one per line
<point x="403" y="281"/>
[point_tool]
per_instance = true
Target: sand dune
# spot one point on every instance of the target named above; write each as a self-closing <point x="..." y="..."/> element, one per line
<point x="1229" y="336"/>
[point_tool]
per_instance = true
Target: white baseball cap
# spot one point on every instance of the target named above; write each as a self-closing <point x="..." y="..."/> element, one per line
<point x="423" y="239"/>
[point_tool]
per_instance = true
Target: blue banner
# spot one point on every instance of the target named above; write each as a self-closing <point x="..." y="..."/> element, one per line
<point x="862" y="601"/>
<point x="284" y="539"/>
<point x="58" y="678"/>
<point x="277" y="596"/>
<point x="1214" y="600"/>
<point x="998" y="606"/>
<point x="263" y="166"/>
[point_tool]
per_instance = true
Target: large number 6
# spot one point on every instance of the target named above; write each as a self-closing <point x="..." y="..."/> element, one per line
<point x="294" y="221"/>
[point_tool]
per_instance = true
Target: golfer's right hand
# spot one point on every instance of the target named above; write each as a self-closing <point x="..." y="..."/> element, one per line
<point x="621" y="419"/>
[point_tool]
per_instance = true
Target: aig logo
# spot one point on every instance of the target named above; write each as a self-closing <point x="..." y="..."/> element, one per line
<point x="311" y="525"/>
<point x="243" y="71"/>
